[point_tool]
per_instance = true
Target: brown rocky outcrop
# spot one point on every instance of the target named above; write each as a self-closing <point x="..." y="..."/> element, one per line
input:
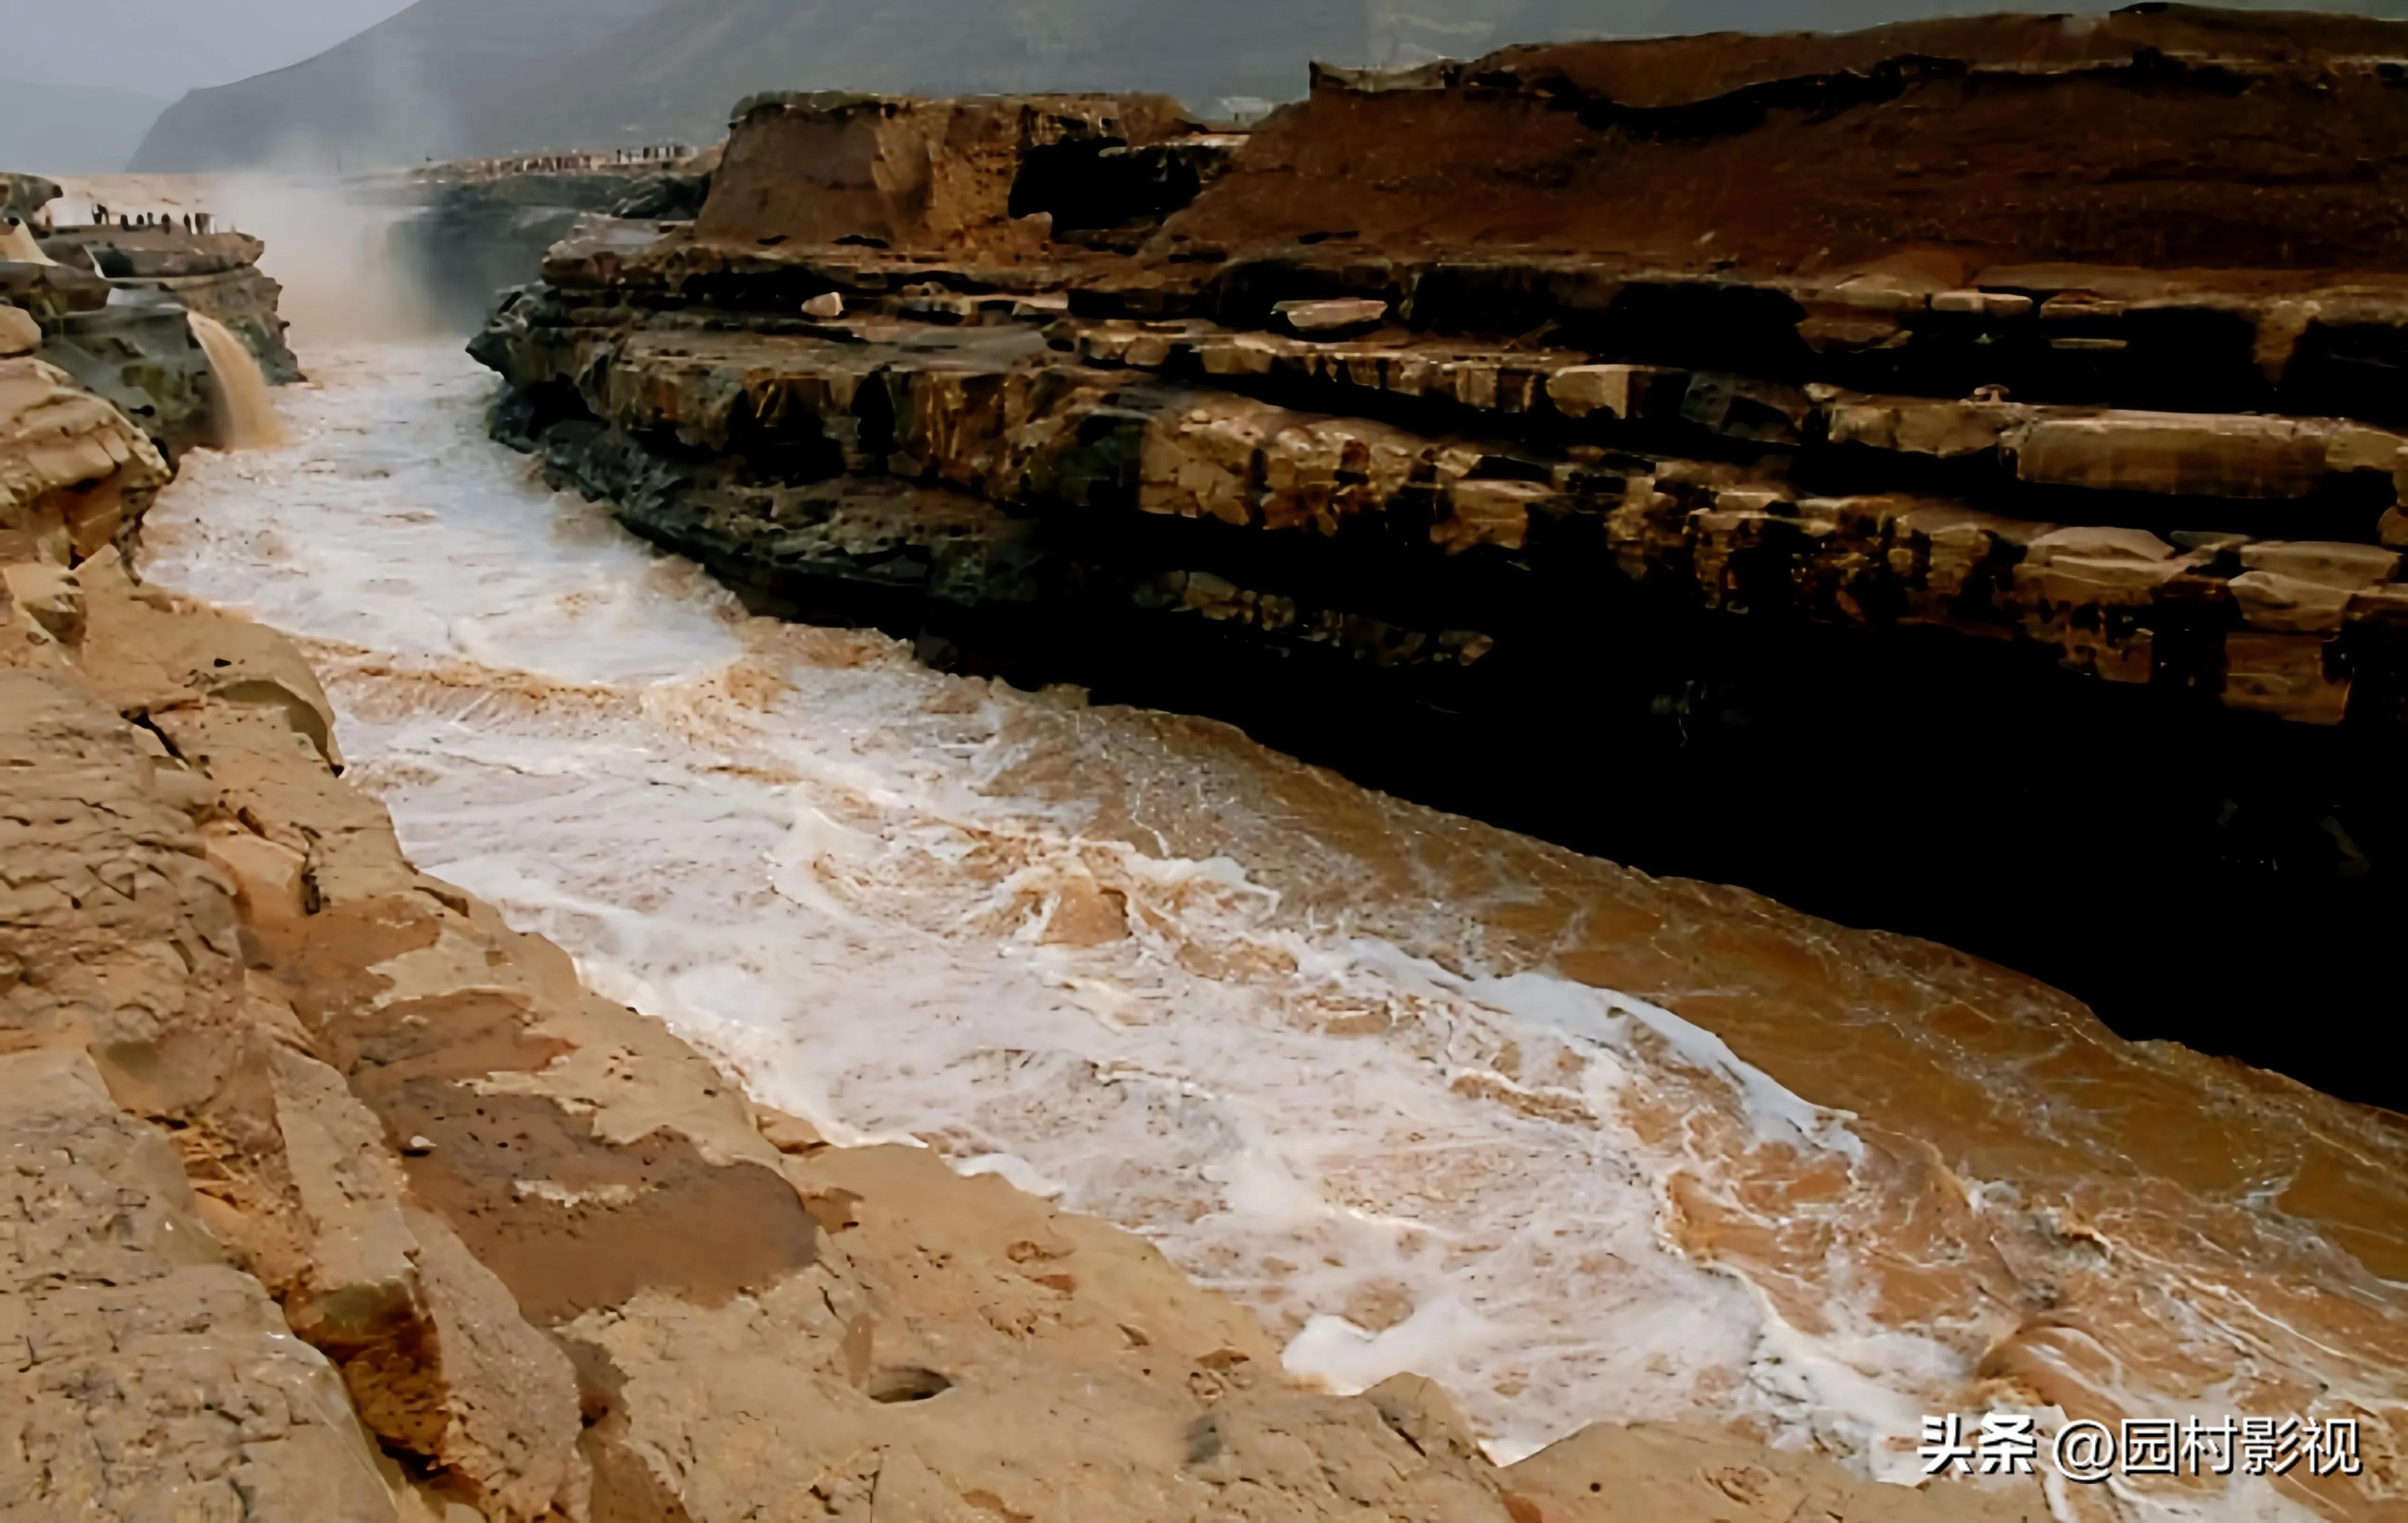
<point x="1585" y="381"/>
<point x="2166" y="136"/>
<point x="824" y="168"/>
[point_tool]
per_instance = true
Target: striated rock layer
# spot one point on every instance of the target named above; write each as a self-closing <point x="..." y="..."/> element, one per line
<point x="75" y="474"/>
<point x="1465" y="429"/>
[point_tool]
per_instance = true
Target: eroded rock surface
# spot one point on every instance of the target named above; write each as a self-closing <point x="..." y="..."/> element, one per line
<point x="75" y="475"/>
<point x="154" y="1379"/>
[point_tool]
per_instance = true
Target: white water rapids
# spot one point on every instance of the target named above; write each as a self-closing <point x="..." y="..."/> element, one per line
<point x="910" y="906"/>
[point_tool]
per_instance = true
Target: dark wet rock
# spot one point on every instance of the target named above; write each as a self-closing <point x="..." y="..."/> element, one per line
<point x="138" y="351"/>
<point x="664" y="199"/>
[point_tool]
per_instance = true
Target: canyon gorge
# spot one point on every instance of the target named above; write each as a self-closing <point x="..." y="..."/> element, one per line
<point x="1549" y="792"/>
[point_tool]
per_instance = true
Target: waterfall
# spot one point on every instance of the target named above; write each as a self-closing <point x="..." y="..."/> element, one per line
<point x="246" y="415"/>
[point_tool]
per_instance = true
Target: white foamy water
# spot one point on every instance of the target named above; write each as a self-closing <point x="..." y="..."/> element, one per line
<point x="888" y="898"/>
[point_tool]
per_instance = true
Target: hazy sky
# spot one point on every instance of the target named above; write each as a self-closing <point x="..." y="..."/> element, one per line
<point x="166" y="47"/>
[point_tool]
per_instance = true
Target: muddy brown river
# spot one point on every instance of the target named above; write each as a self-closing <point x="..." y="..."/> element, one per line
<point x="1578" y="1144"/>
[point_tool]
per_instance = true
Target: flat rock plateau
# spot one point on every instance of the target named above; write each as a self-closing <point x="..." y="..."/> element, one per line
<point x="1814" y="463"/>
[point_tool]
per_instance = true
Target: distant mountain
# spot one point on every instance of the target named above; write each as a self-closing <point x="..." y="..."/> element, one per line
<point x="448" y="78"/>
<point x="71" y="129"/>
<point x="678" y="74"/>
<point x="400" y="92"/>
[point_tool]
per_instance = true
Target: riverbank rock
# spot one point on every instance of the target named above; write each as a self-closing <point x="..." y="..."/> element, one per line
<point x="19" y="333"/>
<point x="75" y="474"/>
<point x="152" y="1372"/>
<point x="885" y="172"/>
<point x="1435" y="471"/>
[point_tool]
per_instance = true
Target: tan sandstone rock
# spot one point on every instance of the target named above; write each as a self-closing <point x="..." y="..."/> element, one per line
<point x="152" y="1378"/>
<point x="75" y="475"/>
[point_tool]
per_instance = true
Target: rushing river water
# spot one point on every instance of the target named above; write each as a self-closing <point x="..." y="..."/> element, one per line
<point x="1358" y="1064"/>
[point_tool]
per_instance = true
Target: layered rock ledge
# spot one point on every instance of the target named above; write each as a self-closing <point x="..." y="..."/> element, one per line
<point x="1949" y="421"/>
<point x="1679" y="409"/>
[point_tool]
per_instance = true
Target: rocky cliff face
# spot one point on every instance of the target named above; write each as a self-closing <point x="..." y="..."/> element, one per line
<point x="331" y="1198"/>
<point x="138" y="353"/>
<point x="884" y="172"/>
<point x="2167" y="138"/>
<point x="1655" y="373"/>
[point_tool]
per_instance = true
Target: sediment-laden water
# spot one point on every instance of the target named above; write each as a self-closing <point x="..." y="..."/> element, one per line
<point x="1409" y="1085"/>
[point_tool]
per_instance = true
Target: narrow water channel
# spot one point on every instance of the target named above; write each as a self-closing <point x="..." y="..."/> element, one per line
<point x="1349" y="1060"/>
